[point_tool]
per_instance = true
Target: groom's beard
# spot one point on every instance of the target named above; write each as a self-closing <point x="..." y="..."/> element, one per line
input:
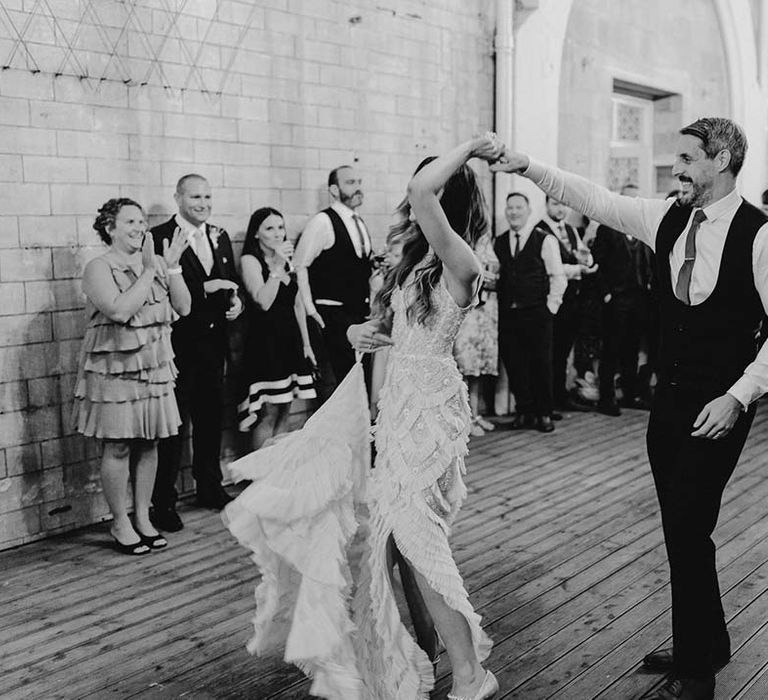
<point x="698" y="195"/>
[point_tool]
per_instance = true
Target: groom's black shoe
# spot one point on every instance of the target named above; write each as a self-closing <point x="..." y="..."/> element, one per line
<point x="684" y="689"/>
<point x="663" y="660"/>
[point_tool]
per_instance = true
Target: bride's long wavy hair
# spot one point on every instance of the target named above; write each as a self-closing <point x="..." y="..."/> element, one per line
<point x="464" y="205"/>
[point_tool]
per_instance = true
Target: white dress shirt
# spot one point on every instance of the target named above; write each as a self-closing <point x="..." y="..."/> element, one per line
<point x="550" y="254"/>
<point x="641" y="218"/>
<point x="318" y="236"/>
<point x="198" y="241"/>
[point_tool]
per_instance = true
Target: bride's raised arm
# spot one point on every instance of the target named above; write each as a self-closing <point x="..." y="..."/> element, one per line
<point x="424" y="196"/>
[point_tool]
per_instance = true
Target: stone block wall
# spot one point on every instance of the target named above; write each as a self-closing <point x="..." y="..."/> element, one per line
<point x="101" y="98"/>
<point x="673" y="47"/>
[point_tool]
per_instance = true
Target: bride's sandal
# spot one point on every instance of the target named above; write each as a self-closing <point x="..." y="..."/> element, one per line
<point x="487" y="690"/>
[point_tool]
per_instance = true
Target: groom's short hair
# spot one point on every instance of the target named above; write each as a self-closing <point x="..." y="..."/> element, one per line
<point x="720" y="134"/>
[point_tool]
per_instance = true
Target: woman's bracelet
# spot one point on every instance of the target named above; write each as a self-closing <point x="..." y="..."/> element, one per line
<point x="175" y="270"/>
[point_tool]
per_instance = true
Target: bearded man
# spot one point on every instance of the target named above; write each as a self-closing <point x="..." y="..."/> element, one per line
<point x="712" y="270"/>
<point x="333" y="269"/>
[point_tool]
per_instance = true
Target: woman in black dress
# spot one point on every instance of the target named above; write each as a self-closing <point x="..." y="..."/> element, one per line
<point x="278" y="358"/>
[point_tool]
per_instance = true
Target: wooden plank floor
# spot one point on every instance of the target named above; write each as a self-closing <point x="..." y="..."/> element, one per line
<point x="559" y="542"/>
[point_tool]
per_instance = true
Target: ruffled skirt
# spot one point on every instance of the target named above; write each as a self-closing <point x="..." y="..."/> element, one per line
<point x="298" y="517"/>
<point x="414" y="495"/>
<point x="126" y="376"/>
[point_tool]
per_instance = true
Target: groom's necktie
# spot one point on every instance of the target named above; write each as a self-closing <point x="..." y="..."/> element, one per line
<point x="517" y="245"/>
<point x="683" y="286"/>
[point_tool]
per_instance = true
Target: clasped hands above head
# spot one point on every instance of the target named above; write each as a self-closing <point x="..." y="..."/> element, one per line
<point x="491" y="149"/>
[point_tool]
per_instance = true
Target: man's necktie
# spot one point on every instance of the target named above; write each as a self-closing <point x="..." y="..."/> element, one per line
<point x="683" y="286"/>
<point x="517" y="244"/>
<point x="203" y="251"/>
<point x="362" y="237"/>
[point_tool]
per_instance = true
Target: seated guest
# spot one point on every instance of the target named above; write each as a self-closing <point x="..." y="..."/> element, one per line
<point x="530" y="290"/>
<point x="476" y="347"/>
<point x="278" y="357"/>
<point x="125" y="381"/>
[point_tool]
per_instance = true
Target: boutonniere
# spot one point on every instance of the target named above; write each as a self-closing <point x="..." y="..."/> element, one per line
<point x="214" y="232"/>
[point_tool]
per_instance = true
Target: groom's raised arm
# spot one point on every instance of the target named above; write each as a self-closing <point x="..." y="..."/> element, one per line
<point x="636" y="216"/>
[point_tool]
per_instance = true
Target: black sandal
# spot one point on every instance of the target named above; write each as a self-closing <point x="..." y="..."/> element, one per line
<point x="136" y="549"/>
<point x="153" y="541"/>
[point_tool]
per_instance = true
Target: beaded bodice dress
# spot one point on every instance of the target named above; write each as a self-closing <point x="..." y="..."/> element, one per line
<point x="415" y="492"/>
<point x="299" y="519"/>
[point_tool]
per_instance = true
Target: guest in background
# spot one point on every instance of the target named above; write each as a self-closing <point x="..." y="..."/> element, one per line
<point x="577" y="263"/>
<point x="333" y="268"/>
<point x="278" y="355"/>
<point x="650" y="330"/>
<point x="124" y="388"/>
<point x="530" y="290"/>
<point x="624" y="278"/>
<point x="476" y="348"/>
<point x="201" y="345"/>
<point x="392" y="257"/>
<point x="586" y="348"/>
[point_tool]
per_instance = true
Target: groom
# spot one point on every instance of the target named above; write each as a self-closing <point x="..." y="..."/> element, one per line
<point x="712" y="258"/>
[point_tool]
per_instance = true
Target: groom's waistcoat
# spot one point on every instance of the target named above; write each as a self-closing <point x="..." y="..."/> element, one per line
<point x="710" y="344"/>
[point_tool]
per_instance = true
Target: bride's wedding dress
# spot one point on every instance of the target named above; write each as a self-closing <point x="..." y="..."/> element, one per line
<point x="298" y="517"/>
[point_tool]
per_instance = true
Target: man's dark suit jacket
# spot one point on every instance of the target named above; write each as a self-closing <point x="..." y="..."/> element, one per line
<point x="206" y="321"/>
<point x="624" y="265"/>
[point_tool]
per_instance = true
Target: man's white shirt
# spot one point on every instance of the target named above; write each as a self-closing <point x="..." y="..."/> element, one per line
<point x="318" y="236"/>
<point x="641" y="217"/>
<point x="550" y="254"/>
<point x="195" y="240"/>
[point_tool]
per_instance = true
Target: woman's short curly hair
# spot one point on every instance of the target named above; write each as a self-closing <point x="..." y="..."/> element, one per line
<point x="108" y="212"/>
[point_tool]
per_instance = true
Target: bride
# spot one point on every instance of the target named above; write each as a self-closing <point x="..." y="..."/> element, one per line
<point x="298" y="515"/>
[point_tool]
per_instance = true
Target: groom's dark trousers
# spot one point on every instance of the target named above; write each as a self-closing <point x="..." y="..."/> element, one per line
<point x="705" y="349"/>
<point x="690" y="475"/>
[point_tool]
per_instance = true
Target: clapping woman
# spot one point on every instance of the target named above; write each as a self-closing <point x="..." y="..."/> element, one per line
<point x="124" y="393"/>
<point x="278" y="356"/>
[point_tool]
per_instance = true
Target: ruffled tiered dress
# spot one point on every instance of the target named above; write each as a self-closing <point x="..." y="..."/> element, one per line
<point x="298" y="517"/>
<point x="126" y="375"/>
